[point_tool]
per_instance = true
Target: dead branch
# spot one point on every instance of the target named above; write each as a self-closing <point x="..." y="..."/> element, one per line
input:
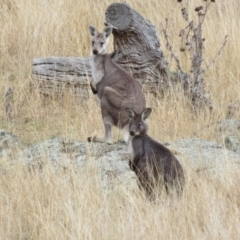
<point x="169" y="46"/>
<point x="215" y="57"/>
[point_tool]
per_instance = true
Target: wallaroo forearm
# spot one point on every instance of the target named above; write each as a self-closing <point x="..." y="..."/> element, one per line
<point x="133" y="163"/>
<point x="94" y="91"/>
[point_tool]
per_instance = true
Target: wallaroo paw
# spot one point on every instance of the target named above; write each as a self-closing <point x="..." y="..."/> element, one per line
<point x="99" y="139"/>
<point x="109" y="142"/>
<point x="90" y="139"/>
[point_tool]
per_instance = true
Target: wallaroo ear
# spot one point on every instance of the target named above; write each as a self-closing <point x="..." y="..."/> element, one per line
<point x="107" y="31"/>
<point x="146" y="113"/>
<point x="92" y="30"/>
<point x="130" y="112"/>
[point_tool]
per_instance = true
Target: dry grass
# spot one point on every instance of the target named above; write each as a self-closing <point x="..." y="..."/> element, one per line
<point x="71" y="207"/>
<point x="57" y="206"/>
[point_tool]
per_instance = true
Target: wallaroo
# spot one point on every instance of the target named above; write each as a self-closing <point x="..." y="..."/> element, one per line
<point x="114" y="86"/>
<point x="154" y="164"/>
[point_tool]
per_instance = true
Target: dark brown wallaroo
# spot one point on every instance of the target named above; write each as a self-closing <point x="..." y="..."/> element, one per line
<point x="114" y="86"/>
<point x="154" y="164"/>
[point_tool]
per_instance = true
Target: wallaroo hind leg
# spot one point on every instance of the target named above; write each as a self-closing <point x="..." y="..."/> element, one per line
<point x="145" y="183"/>
<point x="108" y="132"/>
<point x="173" y="185"/>
<point x="126" y="135"/>
<point x="110" y="104"/>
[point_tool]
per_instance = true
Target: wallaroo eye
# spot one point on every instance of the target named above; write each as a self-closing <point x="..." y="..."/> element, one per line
<point x="139" y="125"/>
<point x="101" y="43"/>
<point x="92" y="42"/>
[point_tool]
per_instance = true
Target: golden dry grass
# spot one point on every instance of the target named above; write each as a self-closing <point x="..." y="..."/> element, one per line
<point x="53" y="206"/>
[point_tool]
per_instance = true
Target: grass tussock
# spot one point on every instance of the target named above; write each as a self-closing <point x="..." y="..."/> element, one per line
<point x="52" y="206"/>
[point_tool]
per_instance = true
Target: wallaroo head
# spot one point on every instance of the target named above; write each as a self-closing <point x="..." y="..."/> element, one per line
<point x="137" y="124"/>
<point x="100" y="40"/>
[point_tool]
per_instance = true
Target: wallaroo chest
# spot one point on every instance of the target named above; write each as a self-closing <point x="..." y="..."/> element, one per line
<point x="99" y="51"/>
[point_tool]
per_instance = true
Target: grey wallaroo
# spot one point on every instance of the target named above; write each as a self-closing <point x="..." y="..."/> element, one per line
<point x="154" y="164"/>
<point x="114" y="86"/>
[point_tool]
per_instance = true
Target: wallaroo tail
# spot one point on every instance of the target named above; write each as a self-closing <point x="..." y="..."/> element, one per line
<point x="114" y="86"/>
<point x="154" y="164"/>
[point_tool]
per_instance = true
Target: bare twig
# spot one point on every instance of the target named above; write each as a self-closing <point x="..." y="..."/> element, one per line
<point x="169" y="47"/>
<point x="205" y="12"/>
<point x="214" y="58"/>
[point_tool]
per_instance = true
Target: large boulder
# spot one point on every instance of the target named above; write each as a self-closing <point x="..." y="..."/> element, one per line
<point x="110" y="162"/>
<point x="206" y="156"/>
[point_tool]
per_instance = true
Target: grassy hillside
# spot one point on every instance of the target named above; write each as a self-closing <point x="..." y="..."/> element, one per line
<point x="53" y="207"/>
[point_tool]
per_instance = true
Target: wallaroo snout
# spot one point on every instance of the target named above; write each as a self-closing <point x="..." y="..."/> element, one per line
<point x="154" y="164"/>
<point x="114" y="86"/>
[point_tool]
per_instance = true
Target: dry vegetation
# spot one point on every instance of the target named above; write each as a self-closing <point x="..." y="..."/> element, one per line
<point x="53" y="206"/>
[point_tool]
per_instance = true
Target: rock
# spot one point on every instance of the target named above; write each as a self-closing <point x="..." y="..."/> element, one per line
<point x="233" y="110"/>
<point x="229" y="131"/>
<point x="205" y="155"/>
<point x="9" y="144"/>
<point x="232" y="143"/>
<point x="228" y="126"/>
<point x="109" y="161"/>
